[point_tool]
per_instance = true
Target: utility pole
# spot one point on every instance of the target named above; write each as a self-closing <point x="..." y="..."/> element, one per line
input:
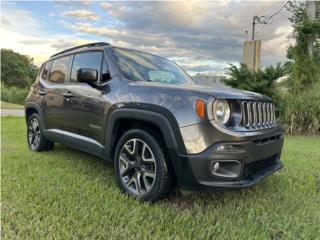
<point x="252" y="49"/>
<point x="254" y="22"/>
<point x="311" y="12"/>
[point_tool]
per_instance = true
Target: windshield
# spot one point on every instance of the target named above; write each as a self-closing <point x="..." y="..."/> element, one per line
<point x="140" y="66"/>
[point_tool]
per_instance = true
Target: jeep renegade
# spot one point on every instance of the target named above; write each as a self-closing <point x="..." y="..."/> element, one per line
<point x="146" y="115"/>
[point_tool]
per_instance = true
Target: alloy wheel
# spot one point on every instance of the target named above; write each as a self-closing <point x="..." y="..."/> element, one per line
<point x="137" y="166"/>
<point x="34" y="133"/>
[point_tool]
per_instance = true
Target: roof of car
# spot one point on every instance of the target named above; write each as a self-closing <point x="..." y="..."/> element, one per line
<point x="81" y="47"/>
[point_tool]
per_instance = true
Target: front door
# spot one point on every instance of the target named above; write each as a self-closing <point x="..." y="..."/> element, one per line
<point x="85" y="105"/>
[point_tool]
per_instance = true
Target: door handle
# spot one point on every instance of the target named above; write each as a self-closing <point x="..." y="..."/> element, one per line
<point x="42" y="93"/>
<point x="67" y="95"/>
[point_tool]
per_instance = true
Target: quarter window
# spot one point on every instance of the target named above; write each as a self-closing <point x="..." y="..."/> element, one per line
<point x="60" y="69"/>
<point x="86" y="60"/>
<point x="45" y="70"/>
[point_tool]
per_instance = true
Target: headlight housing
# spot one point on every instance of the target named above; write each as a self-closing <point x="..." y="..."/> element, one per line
<point x="221" y="111"/>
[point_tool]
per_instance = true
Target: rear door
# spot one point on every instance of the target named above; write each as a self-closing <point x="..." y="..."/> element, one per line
<point x="54" y="94"/>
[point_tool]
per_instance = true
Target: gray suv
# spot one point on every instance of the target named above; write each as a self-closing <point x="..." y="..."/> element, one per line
<point x="148" y="117"/>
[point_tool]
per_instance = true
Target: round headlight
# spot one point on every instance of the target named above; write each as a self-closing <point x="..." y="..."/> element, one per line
<point x="221" y="111"/>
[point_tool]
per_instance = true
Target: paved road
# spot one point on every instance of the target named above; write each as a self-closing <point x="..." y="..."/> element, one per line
<point x="12" y="112"/>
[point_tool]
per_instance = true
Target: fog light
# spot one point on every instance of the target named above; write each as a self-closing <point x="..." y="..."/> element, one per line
<point x="216" y="166"/>
<point x="226" y="168"/>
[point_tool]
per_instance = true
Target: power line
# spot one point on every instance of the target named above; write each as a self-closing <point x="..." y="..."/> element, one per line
<point x="284" y="3"/>
<point x="260" y="29"/>
<point x="266" y="19"/>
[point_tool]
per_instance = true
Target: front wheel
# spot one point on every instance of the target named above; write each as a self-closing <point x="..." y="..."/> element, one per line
<point x="141" y="166"/>
<point x="36" y="139"/>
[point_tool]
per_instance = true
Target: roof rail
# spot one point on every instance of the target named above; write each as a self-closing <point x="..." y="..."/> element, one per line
<point x="94" y="44"/>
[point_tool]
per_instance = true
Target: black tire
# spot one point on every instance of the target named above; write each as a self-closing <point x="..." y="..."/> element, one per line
<point x="36" y="140"/>
<point x="163" y="183"/>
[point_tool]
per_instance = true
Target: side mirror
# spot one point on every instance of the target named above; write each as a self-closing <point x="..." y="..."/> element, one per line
<point x="87" y="75"/>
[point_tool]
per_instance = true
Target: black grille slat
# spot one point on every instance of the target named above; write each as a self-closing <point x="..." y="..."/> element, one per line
<point x="257" y="114"/>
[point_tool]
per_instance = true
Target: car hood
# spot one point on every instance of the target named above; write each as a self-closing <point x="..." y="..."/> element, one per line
<point x="216" y="91"/>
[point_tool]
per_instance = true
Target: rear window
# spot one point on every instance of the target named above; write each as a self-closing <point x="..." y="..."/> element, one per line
<point x="59" y="72"/>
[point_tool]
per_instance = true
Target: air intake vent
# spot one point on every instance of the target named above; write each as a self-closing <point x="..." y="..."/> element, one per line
<point x="257" y="115"/>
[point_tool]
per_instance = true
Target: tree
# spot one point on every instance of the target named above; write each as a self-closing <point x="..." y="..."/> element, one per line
<point x="17" y="70"/>
<point x="297" y="100"/>
<point x="261" y="81"/>
<point x="305" y="70"/>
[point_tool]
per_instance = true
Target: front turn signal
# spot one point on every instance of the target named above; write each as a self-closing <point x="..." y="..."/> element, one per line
<point x="200" y="108"/>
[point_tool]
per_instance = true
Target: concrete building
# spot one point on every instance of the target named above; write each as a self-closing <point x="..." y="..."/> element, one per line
<point x="251" y="54"/>
<point x="209" y="79"/>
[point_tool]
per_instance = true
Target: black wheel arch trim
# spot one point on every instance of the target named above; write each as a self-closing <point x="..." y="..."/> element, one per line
<point x="168" y="126"/>
<point x="35" y="106"/>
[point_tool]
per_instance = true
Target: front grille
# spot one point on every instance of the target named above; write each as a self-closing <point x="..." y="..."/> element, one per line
<point x="257" y="115"/>
<point x="259" y="166"/>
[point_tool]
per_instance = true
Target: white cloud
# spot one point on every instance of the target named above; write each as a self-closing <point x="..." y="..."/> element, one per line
<point x="213" y="30"/>
<point x="29" y="38"/>
<point x="73" y="2"/>
<point x="37" y="48"/>
<point x="106" y="5"/>
<point x="81" y="14"/>
<point x="207" y="35"/>
<point x="13" y="18"/>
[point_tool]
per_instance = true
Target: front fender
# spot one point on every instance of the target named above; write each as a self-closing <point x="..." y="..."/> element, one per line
<point x="169" y="128"/>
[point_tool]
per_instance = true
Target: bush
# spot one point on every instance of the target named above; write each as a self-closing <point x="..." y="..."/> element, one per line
<point x="13" y="94"/>
<point x="299" y="113"/>
<point x="261" y="81"/>
<point x="17" y="70"/>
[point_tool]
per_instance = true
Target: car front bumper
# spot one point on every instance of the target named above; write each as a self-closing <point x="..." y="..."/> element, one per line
<point x="258" y="158"/>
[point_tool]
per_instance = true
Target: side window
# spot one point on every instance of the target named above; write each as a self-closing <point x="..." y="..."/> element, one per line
<point x="60" y="69"/>
<point x="86" y="60"/>
<point x="45" y="71"/>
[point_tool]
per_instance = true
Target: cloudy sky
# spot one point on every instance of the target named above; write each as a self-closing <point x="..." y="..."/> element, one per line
<point x="200" y="36"/>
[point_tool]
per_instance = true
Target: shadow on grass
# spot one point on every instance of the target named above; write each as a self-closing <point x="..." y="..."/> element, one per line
<point x="261" y="190"/>
<point x="176" y="201"/>
<point x="81" y="156"/>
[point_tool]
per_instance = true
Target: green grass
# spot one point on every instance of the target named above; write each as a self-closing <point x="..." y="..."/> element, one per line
<point x="6" y="105"/>
<point x="67" y="194"/>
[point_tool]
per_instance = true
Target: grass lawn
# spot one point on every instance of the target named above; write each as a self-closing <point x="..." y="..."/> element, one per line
<point x="67" y="194"/>
<point x="6" y="105"/>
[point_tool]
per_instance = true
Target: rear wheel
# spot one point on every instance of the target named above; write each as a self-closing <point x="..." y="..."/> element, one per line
<point x="141" y="167"/>
<point x="36" y="140"/>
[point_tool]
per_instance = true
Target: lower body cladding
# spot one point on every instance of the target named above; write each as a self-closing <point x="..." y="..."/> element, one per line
<point x="231" y="165"/>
